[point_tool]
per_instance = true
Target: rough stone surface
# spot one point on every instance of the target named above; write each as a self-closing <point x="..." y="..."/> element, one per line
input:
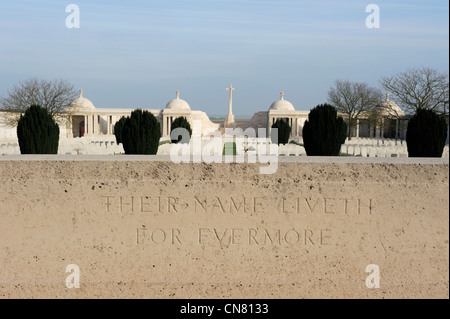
<point x="223" y="230"/>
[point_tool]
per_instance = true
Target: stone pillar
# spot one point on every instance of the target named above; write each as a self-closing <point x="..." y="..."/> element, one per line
<point x="69" y="127"/>
<point x="269" y="128"/>
<point x="396" y="128"/>
<point x="357" y="128"/>
<point x="296" y="127"/>
<point x="111" y="125"/>
<point x="382" y="128"/>
<point x="170" y="125"/>
<point x="291" y="124"/>
<point x="90" y="124"/>
<point x="108" y="124"/>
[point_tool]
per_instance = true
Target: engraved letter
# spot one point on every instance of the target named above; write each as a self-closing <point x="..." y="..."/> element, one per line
<point x="329" y="205"/>
<point x="295" y="235"/>
<point x="251" y="236"/>
<point x="171" y="202"/>
<point x="200" y="235"/>
<point x="223" y="236"/>
<point x="256" y="203"/>
<point x="235" y="238"/>
<point x="162" y="238"/>
<point x="144" y="202"/>
<point x="175" y="236"/>
<point x="108" y="202"/>
<point x="201" y="203"/>
<point x="324" y="236"/>
<point x="218" y="204"/>
<point x="284" y="207"/>
<point x="140" y="232"/>
<point x="308" y="235"/>
<point x="236" y="207"/>
<point x="122" y="204"/>
<point x="277" y="235"/>
<point x="367" y="207"/>
<point x="311" y="209"/>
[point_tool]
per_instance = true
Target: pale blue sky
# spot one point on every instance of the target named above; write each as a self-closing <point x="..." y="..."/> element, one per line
<point x="138" y="53"/>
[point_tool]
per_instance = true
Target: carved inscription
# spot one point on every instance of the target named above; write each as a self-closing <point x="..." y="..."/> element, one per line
<point x="226" y="237"/>
<point x="327" y="206"/>
<point x="236" y="205"/>
<point x="214" y="235"/>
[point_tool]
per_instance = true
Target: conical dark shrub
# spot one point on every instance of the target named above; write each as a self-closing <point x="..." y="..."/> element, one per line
<point x="118" y="129"/>
<point x="284" y="132"/>
<point x="426" y="134"/>
<point x="141" y="133"/>
<point x="324" y="132"/>
<point x="37" y="132"/>
<point x="181" y="122"/>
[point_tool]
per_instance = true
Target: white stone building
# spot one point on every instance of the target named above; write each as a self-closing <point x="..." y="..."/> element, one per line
<point x="88" y="125"/>
<point x="87" y="120"/>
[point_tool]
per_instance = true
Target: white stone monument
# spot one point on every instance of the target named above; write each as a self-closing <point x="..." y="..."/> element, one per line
<point x="230" y="117"/>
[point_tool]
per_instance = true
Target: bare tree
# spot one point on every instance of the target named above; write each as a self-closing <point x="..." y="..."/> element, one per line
<point x="54" y="96"/>
<point x="419" y="88"/>
<point x="354" y="100"/>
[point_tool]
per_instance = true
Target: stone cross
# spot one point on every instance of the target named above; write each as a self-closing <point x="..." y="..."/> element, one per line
<point x="230" y="117"/>
<point x="81" y="92"/>
<point x="282" y="95"/>
<point x="230" y="101"/>
<point x="178" y="95"/>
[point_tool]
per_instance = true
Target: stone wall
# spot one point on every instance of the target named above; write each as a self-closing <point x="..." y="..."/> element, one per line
<point x="147" y="228"/>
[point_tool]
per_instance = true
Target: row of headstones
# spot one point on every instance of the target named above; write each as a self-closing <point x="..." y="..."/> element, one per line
<point x="65" y="147"/>
<point x="378" y="151"/>
<point x="9" y="149"/>
<point x="111" y="147"/>
<point x="102" y="147"/>
<point x="356" y="150"/>
<point x="375" y="142"/>
<point x="381" y="151"/>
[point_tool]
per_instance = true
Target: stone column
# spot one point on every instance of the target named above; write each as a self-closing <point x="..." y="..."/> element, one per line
<point x="96" y="124"/>
<point x="269" y="128"/>
<point x="396" y="128"/>
<point x="357" y="128"/>
<point x="170" y="125"/>
<point x="108" y="125"/>
<point x="382" y="128"/>
<point x="291" y="124"/>
<point x="69" y="127"/>
<point x="296" y="127"/>
<point x="89" y="125"/>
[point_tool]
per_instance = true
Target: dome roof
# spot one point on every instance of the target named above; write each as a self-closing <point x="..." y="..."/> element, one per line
<point x="178" y="104"/>
<point x="82" y="103"/>
<point x="389" y="108"/>
<point x="282" y="105"/>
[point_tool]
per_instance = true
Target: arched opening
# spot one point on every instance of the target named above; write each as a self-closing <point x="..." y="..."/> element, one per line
<point x="81" y="129"/>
